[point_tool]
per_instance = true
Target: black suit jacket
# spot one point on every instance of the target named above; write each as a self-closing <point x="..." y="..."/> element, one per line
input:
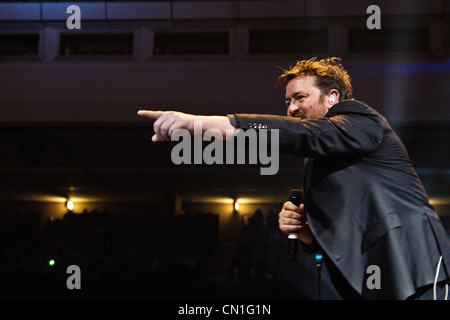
<point x="365" y="203"/>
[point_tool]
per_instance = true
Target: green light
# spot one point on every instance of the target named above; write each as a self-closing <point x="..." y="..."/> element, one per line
<point x="51" y="262"/>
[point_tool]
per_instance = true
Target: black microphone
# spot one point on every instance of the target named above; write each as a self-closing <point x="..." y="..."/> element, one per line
<point x="296" y="197"/>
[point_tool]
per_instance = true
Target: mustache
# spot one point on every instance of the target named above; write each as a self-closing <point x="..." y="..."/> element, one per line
<point x="298" y="114"/>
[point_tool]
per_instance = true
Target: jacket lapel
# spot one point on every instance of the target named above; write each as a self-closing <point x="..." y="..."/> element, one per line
<point x="308" y="170"/>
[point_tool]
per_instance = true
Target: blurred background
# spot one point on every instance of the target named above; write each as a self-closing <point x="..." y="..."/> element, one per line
<point x="82" y="184"/>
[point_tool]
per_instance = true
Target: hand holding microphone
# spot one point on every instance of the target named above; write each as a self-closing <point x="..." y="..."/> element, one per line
<point x="292" y="221"/>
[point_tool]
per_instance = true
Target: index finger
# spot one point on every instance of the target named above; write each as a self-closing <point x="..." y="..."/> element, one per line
<point x="150" y="114"/>
<point x="288" y="205"/>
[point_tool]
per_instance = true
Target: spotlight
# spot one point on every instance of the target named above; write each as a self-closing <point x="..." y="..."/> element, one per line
<point x="69" y="205"/>
<point x="236" y="206"/>
<point x="51" y="262"/>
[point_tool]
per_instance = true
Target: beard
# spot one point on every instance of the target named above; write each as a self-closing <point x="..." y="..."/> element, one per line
<point x="319" y="110"/>
<point x="299" y="114"/>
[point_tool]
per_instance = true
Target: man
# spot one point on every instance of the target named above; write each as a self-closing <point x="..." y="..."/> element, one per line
<point x="364" y="203"/>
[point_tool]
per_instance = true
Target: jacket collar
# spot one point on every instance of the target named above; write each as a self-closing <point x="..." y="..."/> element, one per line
<point x="349" y="105"/>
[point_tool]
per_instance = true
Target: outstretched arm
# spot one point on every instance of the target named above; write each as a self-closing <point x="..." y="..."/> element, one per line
<point x="166" y="122"/>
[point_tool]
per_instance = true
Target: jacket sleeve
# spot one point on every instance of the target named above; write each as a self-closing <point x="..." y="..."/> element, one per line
<point x="340" y="135"/>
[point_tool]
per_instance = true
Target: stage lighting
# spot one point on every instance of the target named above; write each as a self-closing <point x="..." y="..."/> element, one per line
<point x="51" y="262"/>
<point x="236" y="206"/>
<point x="69" y="205"/>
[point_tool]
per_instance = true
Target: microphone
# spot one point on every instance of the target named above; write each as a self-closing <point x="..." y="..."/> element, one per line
<point x="296" y="197"/>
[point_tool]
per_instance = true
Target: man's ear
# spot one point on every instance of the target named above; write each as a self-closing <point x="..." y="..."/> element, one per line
<point x="333" y="97"/>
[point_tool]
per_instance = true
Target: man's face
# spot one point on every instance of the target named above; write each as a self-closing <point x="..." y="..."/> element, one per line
<point x="304" y="99"/>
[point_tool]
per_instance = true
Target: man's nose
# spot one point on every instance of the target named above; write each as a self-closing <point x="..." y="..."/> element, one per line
<point x="292" y="108"/>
